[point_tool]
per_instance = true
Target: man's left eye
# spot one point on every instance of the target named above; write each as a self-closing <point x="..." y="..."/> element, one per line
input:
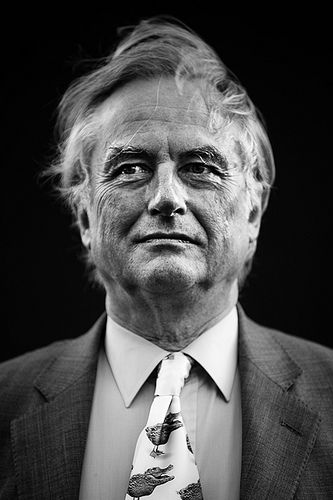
<point x="196" y="168"/>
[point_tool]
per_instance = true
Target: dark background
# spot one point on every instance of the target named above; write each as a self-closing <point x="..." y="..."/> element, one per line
<point x="284" y="61"/>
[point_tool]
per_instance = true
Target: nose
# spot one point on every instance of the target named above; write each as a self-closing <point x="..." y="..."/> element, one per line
<point x="168" y="195"/>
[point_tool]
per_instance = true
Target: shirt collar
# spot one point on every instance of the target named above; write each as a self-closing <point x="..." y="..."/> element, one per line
<point x="215" y="350"/>
<point x="125" y="349"/>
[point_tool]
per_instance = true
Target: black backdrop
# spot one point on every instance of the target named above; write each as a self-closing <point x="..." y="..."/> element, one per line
<point x="284" y="61"/>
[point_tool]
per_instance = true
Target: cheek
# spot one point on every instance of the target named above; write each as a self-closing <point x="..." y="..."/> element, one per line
<point x="114" y="212"/>
<point x="227" y="229"/>
<point x="224" y="213"/>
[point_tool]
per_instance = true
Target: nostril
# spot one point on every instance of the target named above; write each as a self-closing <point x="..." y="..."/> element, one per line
<point x="154" y="211"/>
<point x="167" y="209"/>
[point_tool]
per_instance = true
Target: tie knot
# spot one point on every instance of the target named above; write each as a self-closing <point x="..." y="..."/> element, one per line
<point x="173" y="371"/>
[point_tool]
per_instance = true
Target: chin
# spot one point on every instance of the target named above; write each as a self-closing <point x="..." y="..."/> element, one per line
<point x="166" y="279"/>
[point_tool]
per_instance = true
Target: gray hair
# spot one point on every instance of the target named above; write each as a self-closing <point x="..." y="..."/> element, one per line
<point x="156" y="47"/>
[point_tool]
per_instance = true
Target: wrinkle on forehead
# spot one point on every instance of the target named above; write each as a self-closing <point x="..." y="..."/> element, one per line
<point x="166" y="114"/>
<point x="144" y="108"/>
<point x="140" y="100"/>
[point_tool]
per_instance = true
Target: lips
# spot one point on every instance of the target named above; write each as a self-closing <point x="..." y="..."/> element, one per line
<point x="167" y="236"/>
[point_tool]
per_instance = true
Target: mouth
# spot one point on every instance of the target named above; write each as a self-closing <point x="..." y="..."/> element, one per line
<point x="164" y="472"/>
<point x="167" y="238"/>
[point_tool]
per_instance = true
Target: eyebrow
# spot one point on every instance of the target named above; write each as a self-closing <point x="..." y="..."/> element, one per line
<point x="207" y="154"/>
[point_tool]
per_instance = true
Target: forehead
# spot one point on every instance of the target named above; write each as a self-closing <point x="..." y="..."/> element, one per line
<point x="158" y="111"/>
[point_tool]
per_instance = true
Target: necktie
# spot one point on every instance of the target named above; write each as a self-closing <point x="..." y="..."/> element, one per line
<point x="163" y="466"/>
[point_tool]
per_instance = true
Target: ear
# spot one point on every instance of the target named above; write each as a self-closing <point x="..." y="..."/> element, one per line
<point x="84" y="226"/>
<point x="254" y="222"/>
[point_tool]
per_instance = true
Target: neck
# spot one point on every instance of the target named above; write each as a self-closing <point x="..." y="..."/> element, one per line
<point x="171" y="322"/>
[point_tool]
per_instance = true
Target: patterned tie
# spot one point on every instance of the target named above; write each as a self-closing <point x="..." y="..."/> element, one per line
<point x="164" y="467"/>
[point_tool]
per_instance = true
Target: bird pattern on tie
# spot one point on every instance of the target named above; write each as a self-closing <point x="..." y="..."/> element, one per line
<point x="159" y="433"/>
<point x="164" y="466"/>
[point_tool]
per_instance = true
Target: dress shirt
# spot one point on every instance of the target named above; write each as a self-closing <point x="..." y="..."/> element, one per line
<point x="124" y="390"/>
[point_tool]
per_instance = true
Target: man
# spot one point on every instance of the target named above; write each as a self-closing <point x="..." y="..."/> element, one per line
<point x="167" y="168"/>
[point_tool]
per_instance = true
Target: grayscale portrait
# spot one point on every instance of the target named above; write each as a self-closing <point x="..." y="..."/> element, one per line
<point x="166" y="333"/>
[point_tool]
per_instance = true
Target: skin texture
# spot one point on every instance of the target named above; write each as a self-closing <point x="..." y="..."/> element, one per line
<point x="160" y="169"/>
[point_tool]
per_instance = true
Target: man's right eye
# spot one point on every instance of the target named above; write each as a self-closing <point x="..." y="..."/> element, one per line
<point x="132" y="169"/>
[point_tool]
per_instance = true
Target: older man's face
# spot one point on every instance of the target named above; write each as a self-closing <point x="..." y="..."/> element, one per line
<point x="169" y="210"/>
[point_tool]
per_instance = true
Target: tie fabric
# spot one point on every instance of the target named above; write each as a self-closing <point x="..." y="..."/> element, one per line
<point x="163" y="466"/>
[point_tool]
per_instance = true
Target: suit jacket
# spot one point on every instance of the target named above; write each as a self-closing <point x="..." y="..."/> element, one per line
<point x="287" y="411"/>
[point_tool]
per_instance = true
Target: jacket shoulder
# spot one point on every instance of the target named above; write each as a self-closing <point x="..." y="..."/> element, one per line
<point x="18" y="393"/>
<point x="316" y="363"/>
<point x="314" y="360"/>
<point x="26" y="366"/>
<point x="305" y="352"/>
<point x="17" y="376"/>
<point x="300" y="349"/>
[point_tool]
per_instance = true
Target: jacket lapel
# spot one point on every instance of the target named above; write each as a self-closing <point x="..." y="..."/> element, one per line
<point x="49" y="442"/>
<point x="279" y="430"/>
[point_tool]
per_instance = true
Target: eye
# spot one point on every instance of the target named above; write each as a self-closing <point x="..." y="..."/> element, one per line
<point x="132" y="169"/>
<point x="200" y="173"/>
<point x="196" y="168"/>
